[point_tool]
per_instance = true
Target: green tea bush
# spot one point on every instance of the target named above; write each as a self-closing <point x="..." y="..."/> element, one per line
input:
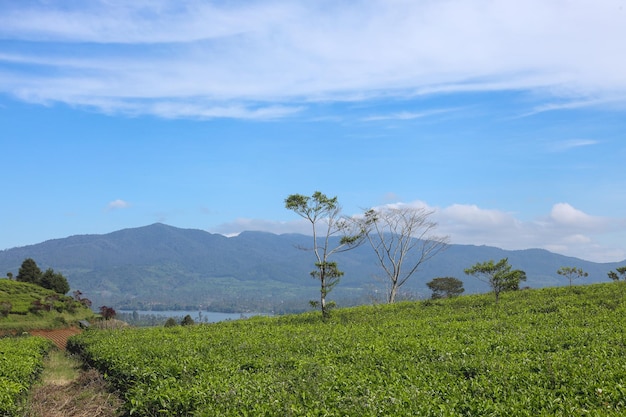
<point x="21" y="362"/>
<point x="548" y="352"/>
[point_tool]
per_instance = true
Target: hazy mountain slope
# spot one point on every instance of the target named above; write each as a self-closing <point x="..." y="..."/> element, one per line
<point x="165" y="264"/>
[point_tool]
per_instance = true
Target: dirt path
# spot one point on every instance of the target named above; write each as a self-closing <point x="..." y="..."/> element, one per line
<point x="68" y="390"/>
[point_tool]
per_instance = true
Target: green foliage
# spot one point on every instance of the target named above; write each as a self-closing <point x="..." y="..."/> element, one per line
<point x="311" y="207"/>
<point x="548" y="352"/>
<point x="498" y="275"/>
<point x="29" y="272"/>
<point x="21" y="362"/>
<point x="54" y="281"/>
<point x="187" y="321"/>
<point x="445" y="287"/>
<point x="571" y="273"/>
<point x="614" y="275"/>
<point x="170" y="322"/>
<point x="329" y="274"/>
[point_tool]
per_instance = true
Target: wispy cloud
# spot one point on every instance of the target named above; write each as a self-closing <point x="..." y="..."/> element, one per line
<point x="117" y="204"/>
<point x="404" y="115"/>
<point x="566" y="145"/>
<point x="267" y="59"/>
<point x="608" y="100"/>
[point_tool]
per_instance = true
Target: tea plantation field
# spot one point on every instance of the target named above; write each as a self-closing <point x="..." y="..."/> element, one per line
<point x="547" y="352"/>
<point x="21" y="362"/>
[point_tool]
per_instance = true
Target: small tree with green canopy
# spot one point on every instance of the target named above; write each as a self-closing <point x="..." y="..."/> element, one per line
<point x="498" y="275"/>
<point x="29" y="272"/>
<point x="445" y="287"/>
<point x="187" y="321"/>
<point x="54" y="281"/>
<point x="571" y="273"/>
<point x="325" y="213"/>
<point x="614" y="275"/>
<point x="170" y="322"/>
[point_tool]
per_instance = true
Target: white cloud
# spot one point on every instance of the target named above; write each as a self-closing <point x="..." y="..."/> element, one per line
<point x="565" y="230"/>
<point x="563" y="214"/>
<point x="577" y="238"/>
<point x="247" y="59"/>
<point x="461" y="214"/>
<point x="117" y="204"/>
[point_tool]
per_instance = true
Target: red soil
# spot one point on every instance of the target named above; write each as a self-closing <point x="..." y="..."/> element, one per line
<point x="58" y="336"/>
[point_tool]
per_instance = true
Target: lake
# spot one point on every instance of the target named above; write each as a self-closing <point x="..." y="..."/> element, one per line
<point x="198" y="316"/>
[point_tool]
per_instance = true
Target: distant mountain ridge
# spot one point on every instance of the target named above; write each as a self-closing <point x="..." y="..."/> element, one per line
<point x="160" y="265"/>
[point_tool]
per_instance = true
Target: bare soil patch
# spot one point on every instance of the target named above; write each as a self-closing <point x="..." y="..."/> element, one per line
<point x="58" y="336"/>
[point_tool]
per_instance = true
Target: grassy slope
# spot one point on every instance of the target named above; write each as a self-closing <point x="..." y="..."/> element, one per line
<point x="22" y="294"/>
<point x="548" y="352"/>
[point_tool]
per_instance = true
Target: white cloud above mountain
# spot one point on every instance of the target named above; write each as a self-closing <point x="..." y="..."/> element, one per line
<point x="565" y="230"/>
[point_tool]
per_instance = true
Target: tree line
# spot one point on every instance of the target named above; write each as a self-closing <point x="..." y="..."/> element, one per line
<point x="402" y="238"/>
<point x="49" y="279"/>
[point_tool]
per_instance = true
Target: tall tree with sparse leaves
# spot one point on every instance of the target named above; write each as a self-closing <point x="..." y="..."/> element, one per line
<point x="324" y="214"/>
<point x="498" y="275"/>
<point x="571" y="273"/>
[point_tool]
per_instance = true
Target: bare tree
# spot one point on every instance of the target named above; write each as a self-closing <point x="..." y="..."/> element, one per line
<point x="403" y="239"/>
<point x="325" y="213"/>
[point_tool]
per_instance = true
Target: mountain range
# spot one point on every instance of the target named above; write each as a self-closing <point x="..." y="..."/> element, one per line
<point x="164" y="267"/>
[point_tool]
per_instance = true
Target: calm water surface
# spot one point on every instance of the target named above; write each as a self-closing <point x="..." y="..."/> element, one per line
<point x="198" y="316"/>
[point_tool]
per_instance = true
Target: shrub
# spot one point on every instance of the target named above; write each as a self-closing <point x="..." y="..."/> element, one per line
<point x="5" y="308"/>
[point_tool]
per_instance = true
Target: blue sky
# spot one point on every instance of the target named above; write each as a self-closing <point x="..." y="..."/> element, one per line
<point x="508" y="119"/>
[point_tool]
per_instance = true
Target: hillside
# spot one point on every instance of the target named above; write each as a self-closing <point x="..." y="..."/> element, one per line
<point x="51" y="310"/>
<point x="164" y="266"/>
